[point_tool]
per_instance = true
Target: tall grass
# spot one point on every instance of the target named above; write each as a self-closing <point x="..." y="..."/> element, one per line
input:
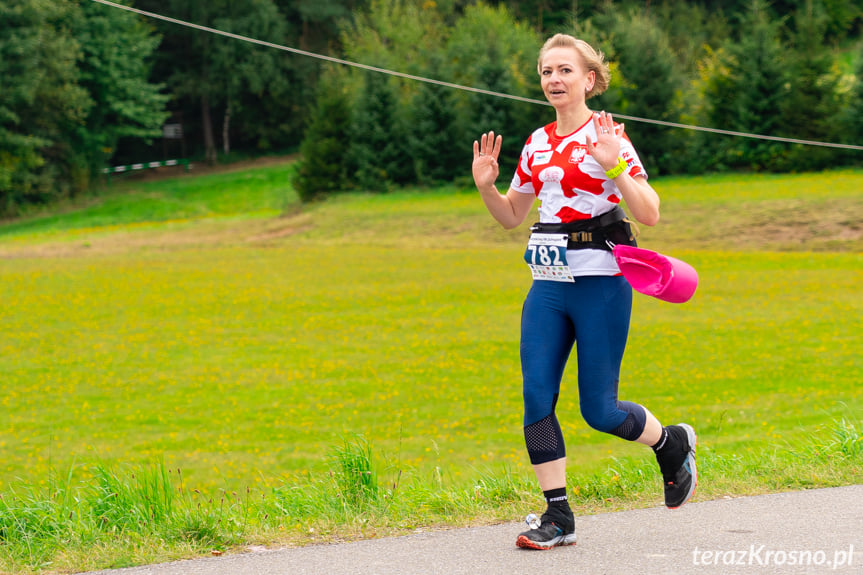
<point x="356" y="477"/>
<point x="148" y="513"/>
<point x="57" y="527"/>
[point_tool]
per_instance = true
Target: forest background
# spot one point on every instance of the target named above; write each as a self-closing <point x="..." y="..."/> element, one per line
<point x="84" y="86"/>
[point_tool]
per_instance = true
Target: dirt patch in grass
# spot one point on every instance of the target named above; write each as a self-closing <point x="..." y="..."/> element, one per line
<point x="816" y="222"/>
<point x="779" y="225"/>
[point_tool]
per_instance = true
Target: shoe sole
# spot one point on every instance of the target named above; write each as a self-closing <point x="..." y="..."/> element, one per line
<point x="561" y="541"/>
<point x="690" y="459"/>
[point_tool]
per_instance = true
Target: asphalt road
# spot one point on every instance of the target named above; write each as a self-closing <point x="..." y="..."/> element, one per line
<point x="817" y="531"/>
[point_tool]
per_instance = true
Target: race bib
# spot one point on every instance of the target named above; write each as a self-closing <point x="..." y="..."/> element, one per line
<point x="546" y="257"/>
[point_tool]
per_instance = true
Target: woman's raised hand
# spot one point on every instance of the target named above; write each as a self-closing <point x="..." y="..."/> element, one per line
<point x="606" y="149"/>
<point x="485" y="166"/>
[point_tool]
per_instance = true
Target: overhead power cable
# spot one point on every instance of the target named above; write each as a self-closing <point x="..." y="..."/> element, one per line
<point x="459" y="86"/>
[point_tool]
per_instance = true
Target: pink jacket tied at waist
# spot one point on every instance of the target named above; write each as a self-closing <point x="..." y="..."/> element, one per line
<point x="657" y="275"/>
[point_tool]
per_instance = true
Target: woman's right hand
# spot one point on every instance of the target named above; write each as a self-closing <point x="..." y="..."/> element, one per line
<point x="485" y="167"/>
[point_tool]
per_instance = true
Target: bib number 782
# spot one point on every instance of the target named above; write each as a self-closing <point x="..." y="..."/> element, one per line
<point x="546" y="255"/>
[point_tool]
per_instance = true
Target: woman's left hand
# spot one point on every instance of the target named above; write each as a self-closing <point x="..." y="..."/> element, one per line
<point x="641" y="199"/>
<point x="485" y="166"/>
<point x="606" y="149"/>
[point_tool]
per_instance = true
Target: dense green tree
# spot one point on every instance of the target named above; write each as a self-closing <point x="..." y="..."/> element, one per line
<point x="313" y="25"/>
<point x="743" y="89"/>
<point x="810" y="110"/>
<point x="394" y="127"/>
<point x="548" y="17"/>
<point x="316" y="22"/>
<point x="490" y="50"/>
<point x="652" y="86"/>
<point x="245" y="74"/>
<point x="837" y="17"/>
<point x="432" y="124"/>
<point x="218" y="78"/>
<point x="406" y="131"/>
<point x="399" y="35"/>
<point x="323" y="168"/>
<point x="40" y="100"/>
<point x="377" y="146"/>
<point x="844" y="17"/>
<point x="852" y="114"/>
<point x="115" y="66"/>
<point x="41" y="104"/>
<point x="690" y="29"/>
<point x="74" y="82"/>
<point x="184" y="60"/>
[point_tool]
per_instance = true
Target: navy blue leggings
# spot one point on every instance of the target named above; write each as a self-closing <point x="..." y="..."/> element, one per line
<point x="592" y="313"/>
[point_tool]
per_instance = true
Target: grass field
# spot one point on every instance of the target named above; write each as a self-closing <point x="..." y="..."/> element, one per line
<point x="213" y="324"/>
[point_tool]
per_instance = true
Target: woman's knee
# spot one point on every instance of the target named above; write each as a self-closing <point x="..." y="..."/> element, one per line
<point x="601" y="420"/>
<point x="538" y="406"/>
<point x="623" y="419"/>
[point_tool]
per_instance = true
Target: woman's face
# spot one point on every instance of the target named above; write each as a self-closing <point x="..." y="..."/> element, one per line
<point x="564" y="78"/>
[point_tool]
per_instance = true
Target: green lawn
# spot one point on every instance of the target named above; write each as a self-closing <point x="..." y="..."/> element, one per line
<point x="393" y="316"/>
<point x="211" y="323"/>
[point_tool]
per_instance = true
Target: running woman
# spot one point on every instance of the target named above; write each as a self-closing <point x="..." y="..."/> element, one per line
<point x="580" y="167"/>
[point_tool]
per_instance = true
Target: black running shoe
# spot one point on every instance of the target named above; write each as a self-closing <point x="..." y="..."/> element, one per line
<point x="680" y="483"/>
<point x="555" y="529"/>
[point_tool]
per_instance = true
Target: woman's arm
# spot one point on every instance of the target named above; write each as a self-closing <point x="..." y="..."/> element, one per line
<point x="510" y="209"/>
<point x="640" y="197"/>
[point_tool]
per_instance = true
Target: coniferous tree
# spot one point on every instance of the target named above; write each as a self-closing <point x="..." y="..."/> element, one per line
<point x="761" y="65"/>
<point x="403" y="36"/>
<point x="490" y="112"/>
<point x="690" y="28"/>
<point x="488" y="49"/>
<point x="811" y="108"/>
<point x="652" y="88"/>
<point x="852" y="115"/>
<point x="323" y="168"/>
<point x="317" y="22"/>
<point x="743" y="88"/>
<point x="433" y="136"/>
<point x="377" y="147"/>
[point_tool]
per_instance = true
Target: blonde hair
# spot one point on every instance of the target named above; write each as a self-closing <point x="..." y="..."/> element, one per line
<point x="593" y="60"/>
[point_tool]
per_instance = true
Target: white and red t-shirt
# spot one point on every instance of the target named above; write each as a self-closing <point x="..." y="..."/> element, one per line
<point x="572" y="186"/>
